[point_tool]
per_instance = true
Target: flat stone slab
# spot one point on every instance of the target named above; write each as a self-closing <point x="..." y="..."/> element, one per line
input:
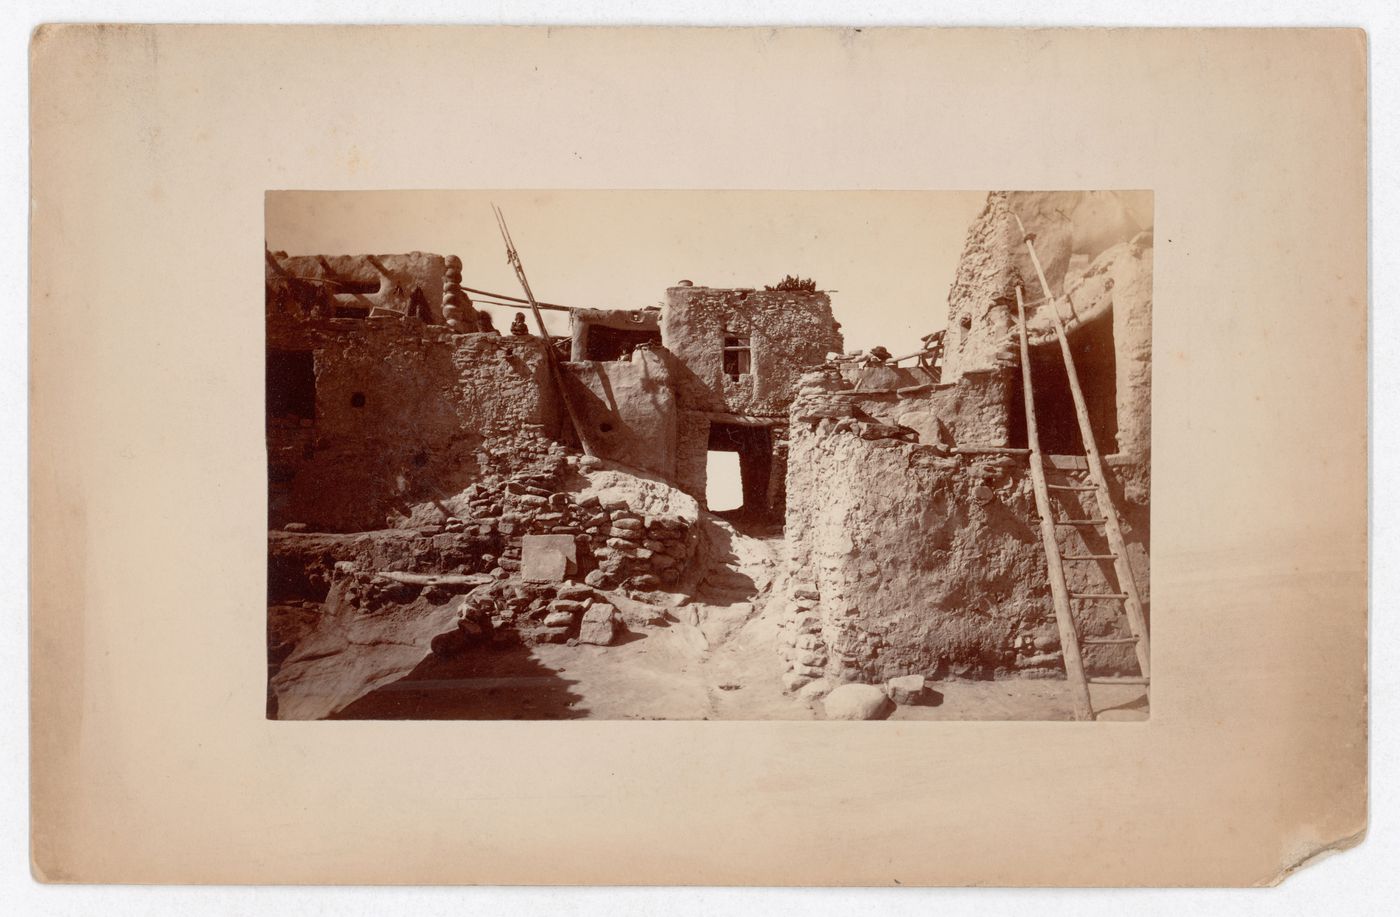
<point x="547" y="558"/>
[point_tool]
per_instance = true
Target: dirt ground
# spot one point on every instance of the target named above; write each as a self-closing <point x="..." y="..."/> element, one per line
<point x="722" y="665"/>
<point x="669" y="673"/>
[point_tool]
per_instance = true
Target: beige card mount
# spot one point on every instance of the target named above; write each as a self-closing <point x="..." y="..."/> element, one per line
<point x="178" y="169"/>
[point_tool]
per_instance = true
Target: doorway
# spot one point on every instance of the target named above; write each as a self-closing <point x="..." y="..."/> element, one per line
<point x="1091" y="345"/>
<point x="754" y="448"/>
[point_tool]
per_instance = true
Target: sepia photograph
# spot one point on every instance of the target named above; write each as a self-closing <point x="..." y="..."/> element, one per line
<point x="699" y="457"/>
<point x="709" y="455"/>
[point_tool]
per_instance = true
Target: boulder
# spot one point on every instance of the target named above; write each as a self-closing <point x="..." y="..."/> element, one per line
<point x="636" y="613"/>
<point x="599" y="624"/>
<point x="563" y="619"/>
<point x="906" y="690"/>
<point x="858" y="702"/>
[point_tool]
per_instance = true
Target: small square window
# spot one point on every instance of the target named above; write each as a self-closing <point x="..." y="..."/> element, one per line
<point x="738" y="356"/>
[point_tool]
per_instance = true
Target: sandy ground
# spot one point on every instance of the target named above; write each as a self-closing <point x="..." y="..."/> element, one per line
<point x="677" y="672"/>
<point x="669" y="673"/>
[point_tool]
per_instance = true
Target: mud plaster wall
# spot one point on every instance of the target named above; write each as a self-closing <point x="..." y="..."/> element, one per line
<point x="628" y="410"/>
<point x="788" y="333"/>
<point x="399" y="279"/>
<point x="1096" y="250"/>
<point x="405" y="413"/>
<point x="897" y="567"/>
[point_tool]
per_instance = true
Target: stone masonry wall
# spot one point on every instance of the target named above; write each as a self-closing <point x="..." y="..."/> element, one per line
<point x="905" y="558"/>
<point x="788" y="333"/>
<point x="404" y="414"/>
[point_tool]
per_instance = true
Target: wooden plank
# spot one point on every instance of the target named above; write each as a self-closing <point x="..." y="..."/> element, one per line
<point x="1059" y="592"/>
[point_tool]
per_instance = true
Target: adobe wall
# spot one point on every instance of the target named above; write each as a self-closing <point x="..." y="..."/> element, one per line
<point x="628" y="409"/>
<point x="788" y="333"/>
<point x="905" y="560"/>
<point x="1096" y="250"/>
<point x="404" y="414"/>
<point x="908" y="558"/>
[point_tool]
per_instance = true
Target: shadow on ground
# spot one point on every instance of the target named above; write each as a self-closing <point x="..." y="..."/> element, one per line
<point x="482" y="684"/>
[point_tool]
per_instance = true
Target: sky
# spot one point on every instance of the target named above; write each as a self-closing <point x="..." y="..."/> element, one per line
<point x="887" y="256"/>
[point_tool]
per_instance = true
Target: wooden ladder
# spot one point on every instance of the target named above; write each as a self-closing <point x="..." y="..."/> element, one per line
<point x="1127" y="595"/>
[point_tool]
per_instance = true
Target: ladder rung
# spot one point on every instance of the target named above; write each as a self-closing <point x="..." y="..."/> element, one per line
<point x="1080" y="521"/>
<point x="1098" y="595"/>
<point x="989" y="450"/>
<point x="1138" y="680"/>
<point x="1085" y="487"/>
<point x="1088" y="557"/>
<point x="1107" y="641"/>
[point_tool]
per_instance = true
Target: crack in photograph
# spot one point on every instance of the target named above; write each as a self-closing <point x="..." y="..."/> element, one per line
<point x="708" y="455"/>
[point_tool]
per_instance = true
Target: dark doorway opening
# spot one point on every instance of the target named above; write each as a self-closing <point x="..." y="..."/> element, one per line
<point x="1096" y="365"/>
<point x="754" y="444"/>
<point x="291" y="385"/>
<point x="604" y="343"/>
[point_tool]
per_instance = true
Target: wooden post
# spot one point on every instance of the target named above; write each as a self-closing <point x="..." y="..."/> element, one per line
<point x="1137" y="620"/>
<point x="551" y="357"/>
<point x="1059" y="592"/>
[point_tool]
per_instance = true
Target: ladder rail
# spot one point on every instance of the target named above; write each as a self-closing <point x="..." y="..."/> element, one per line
<point x="1137" y="620"/>
<point x="1059" y="590"/>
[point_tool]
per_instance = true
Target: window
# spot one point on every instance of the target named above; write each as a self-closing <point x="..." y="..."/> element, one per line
<point x="291" y="385"/>
<point x="354" y="287"/>
<point x="738" y="357"/>
<point x="604" y="343"/>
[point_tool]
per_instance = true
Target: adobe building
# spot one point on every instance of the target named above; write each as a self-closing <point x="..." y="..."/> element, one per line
<point x="713" y="370"/>
<point x="409" y="437"/>
<point x="911" y="526"/>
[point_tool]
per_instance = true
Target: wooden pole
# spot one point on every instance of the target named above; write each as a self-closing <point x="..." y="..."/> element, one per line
<point x="1137" y="620"/>
<point x="1059" y="592"/>
<point x="551" y="357"/>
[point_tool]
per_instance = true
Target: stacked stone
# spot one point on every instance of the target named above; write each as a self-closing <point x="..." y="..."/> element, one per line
<point x="511" y="611"/>
<point x="820" y="397"/>
<point x="800" y="638"/>
<point x="616" y="546"/>
<point x="854" y="655"/>
<point x="639" y="551"/>
<point x="456" y="304"/>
